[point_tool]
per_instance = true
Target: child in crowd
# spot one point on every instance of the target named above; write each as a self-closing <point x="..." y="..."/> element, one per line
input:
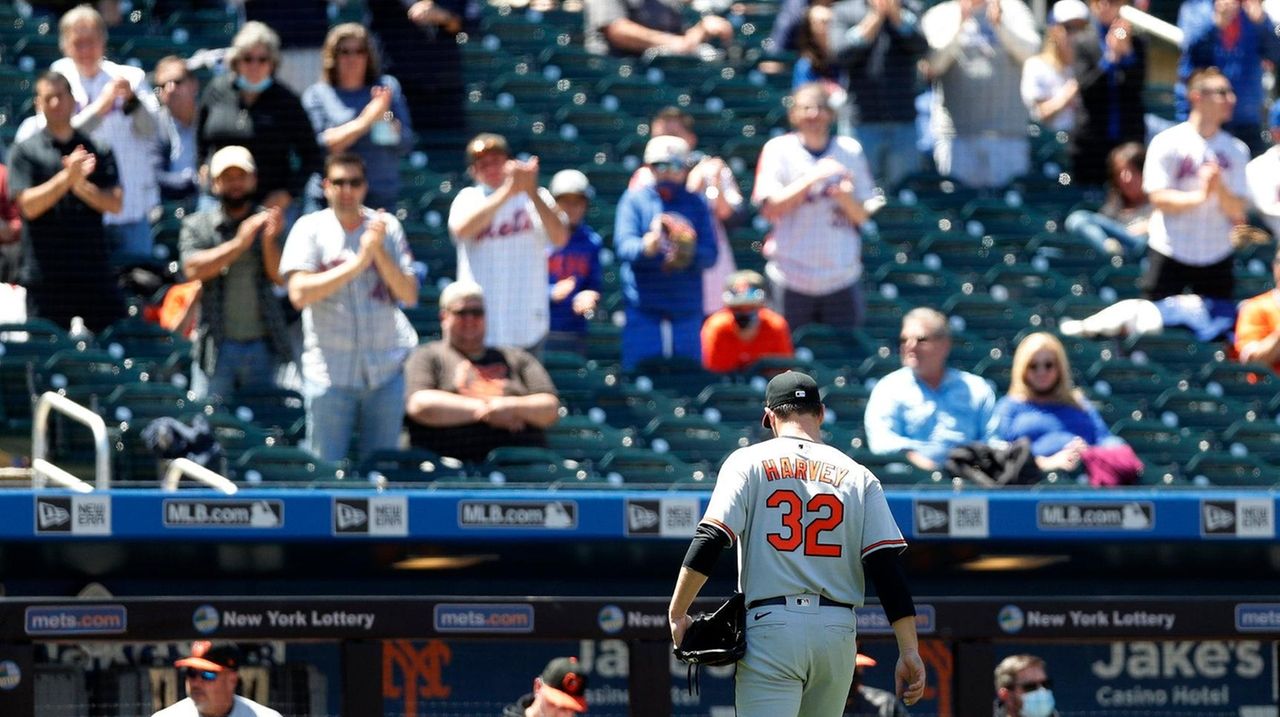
<point x="574" y="269"/>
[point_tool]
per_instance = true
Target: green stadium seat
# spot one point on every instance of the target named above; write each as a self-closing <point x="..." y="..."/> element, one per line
<point x="236" y="435"/>
<point x="987" y="317"/>
<point x="845" y="403"/>
<point x="1125" y="377"/>
<point x="680" y="377"/>
<point x="942" y="194"/>
<point x="1224" y="469"/>
<point x="1066" y="254"/>
<point x="1029" y="285"/>
<point x="517" y="35"/>
<point x="693" y="439"/>
<point x="581" y="439"/>
<point x="286" y="465"/>
<point x="1155" y="442"/>
<point x="531" y="91"/>
<point x="523" y="464"/>
<point x="1253" y="384"/>
<point x="981" y="216"/>
<point x="639" y="467"/>
<point x="833" y="345"/>
<point x="731" y="404"/>
<point x="896" y="216"/>
<point x="595" y="125"/>
<point x="576" y="64"/>
<point x="638" y="95"/>
<point x="1177" y="350"/>
<point x="1194" y="409"/>
<point x="998" y="370"/>
<point x="916" y="283"/>
<point x="279" y="410"/>
<point x="769" y="366"/>
<point x="1258" y="438"/>
<point x="408" y="465"/>
<point x="1118" y="282"/>
<point x="627" y="407"/>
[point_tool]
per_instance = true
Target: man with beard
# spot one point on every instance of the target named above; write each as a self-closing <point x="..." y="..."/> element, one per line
<point x="234" y="249"/>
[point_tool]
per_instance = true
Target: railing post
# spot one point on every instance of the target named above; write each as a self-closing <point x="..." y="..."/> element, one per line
<point x="49" y="402"/>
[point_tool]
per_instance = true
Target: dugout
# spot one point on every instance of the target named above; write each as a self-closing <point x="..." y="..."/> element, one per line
<point x="962" y="640"/>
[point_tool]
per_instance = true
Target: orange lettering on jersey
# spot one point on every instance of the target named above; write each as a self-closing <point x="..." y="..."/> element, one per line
<point x="802" y="470"/>
<point x="824" y="475"/>
<point x="840" y="478"/>
<point x="770" y="470"/>
<point x="787" y="470"/>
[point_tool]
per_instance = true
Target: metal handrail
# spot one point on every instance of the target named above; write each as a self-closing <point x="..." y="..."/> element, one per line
<point x="179" y="467"/>
<point x="42" y="470"/>
<point x="48" y="402"/>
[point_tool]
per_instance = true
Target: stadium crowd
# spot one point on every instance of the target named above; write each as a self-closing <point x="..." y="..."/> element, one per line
<point x="888" y="137"/>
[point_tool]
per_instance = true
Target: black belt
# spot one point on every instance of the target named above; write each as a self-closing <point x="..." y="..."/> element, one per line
<point x="823" y="600"/>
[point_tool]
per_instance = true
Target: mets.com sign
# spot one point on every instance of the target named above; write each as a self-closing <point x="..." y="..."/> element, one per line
<point x="76" y="620"/>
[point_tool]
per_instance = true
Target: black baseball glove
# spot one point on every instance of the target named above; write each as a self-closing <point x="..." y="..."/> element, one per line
<point x="719" y="638"/>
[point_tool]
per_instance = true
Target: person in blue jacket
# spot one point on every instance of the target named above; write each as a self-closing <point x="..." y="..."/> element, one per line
<point x="664" y="238"/>
<point x="573" y="270"/>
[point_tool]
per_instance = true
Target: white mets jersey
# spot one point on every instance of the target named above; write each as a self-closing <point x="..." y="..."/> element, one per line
<point x="818" y="251"/>
<point x="803" y="515"/>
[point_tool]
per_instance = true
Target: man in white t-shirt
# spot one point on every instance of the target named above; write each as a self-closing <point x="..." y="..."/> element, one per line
<point x="814" y="188"/>
<point x="1263" y="174"/>
<point x="211" y="674"/>
<point x="1195" y="177"/>
<point x="503" y="226"/>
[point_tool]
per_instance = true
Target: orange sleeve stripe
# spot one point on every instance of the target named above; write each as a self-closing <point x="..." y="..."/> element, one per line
<point x="901" y="542"/>
<point x="733" y="539"/>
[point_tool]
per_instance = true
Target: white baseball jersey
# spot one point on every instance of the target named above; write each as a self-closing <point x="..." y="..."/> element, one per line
<point x="1263" y="174"/>
<point x="817" y="249"/>
<point x="803" y="515"/>
<point x="243" y="708"/>
<point x="1199" y="236"/>
<point x="509" y="260"/>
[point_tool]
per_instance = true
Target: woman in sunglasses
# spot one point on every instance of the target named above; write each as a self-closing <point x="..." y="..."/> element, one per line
<point x="1044" y="406"/>
<point x="355" y="108"/>
<point x="247" y="107"/>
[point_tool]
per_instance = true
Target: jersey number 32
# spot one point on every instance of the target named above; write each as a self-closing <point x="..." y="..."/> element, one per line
<point x="804" y="523"/>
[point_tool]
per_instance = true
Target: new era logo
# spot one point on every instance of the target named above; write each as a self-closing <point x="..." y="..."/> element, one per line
<point x="1218" y="518"/>
<point x="800" y="393"/>
<point x="53" y="517"/>
<point x="349" y="516"/>
<point x="930" y="519"/>
<point x="640" y="517"/>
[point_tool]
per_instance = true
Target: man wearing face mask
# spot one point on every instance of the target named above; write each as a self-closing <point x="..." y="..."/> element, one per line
<point x="744" y="331"/>
<point x="1023" y="688"/>
<point x="234" y="249"/>
<point x="664" y="238"/>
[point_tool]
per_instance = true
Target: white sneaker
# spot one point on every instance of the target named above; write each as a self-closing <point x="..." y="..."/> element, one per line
<point x="1071" y="327"/>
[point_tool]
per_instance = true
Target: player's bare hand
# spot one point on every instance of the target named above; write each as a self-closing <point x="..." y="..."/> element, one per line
<point x="563" y="288"/>
<point x="679" y="625"/>
<point x="908" y="678"/>
<point x="585" y="302"/>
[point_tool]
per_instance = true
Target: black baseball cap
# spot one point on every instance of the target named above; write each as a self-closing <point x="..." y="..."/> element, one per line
<point x="564" y="684"/>
<point x="207" y="656"/>
<point x="790" y="387"/>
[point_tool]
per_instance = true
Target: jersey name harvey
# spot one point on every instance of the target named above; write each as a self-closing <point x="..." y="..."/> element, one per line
<point x="803" y="469"/>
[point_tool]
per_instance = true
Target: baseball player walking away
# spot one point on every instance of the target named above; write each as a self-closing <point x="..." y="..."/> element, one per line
<point x="810" y="526"/>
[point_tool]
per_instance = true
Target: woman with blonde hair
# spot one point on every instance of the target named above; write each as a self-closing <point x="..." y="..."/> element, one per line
<point x="1044" y="406"/>
<point x="355" y="108"/>
<point x="248" y="108"/>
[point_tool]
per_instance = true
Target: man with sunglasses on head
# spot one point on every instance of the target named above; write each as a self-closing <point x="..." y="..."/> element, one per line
<point x="463" y="397"/>
<point x="211" y="674"/>
<point x="1023" y="688"/>
<point x="925" y="409"/>
<point x="348" y="268"/>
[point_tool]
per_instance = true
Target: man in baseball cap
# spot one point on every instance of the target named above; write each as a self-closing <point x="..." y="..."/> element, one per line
<point x="559" y="692"/>
<point x="211" y="674"/>
<point x="791" y="387"/>
<point x="231" y="156"/>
